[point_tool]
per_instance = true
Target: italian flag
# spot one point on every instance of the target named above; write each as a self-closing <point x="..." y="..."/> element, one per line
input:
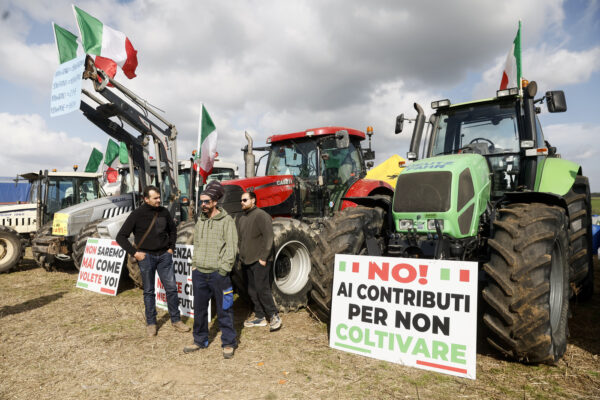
<point x="111" y="47"/>
<point x="66" y="44"/>
<point x="207" y="145"/>
<point x="511" y="76"/>
<point x="115" y="155"/>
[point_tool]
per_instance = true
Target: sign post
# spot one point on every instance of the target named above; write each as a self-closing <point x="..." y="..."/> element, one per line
<point x="415" y="312"/>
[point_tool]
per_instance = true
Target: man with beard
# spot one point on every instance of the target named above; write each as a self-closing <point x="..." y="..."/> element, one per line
<point x="255" y="231"/>
<point x="155" y="234"/>
<point x="215" y="249"/>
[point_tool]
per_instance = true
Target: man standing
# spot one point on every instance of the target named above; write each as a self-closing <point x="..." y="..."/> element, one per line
<point x="255" y="229"/>
<point x="215" y="249"/>
<point x="155" y="234"/>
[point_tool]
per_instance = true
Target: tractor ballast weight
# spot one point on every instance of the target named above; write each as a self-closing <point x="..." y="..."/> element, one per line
<point x="492" y="190"/>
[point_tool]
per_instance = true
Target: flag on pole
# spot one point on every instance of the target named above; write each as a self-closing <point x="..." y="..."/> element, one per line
<point x="511" y="76"/>
<point x="123" y="155"/>
<point x="94" y="161"/>
<point x="111" y="47"/>
<point x="207" y="144"/>
<point x="66" y="44"/>
<point x="111" y="154"/>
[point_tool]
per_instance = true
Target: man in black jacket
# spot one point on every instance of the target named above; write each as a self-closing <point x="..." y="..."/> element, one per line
<point x="255" y="235"/>
<point x="154" y="254"/>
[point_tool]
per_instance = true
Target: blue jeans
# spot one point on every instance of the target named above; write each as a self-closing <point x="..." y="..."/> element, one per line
<point x="218" y="287"/>
<point x="163" y="264"/>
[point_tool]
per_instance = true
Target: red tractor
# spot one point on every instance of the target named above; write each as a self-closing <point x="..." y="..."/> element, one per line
<point x="308" y="175"/>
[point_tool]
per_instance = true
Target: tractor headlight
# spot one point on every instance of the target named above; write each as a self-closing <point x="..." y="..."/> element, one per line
<point x="431" y="224"/>
<point x="405" y="224"/>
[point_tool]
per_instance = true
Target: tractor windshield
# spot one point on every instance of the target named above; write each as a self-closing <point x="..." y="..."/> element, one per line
<point x="64" y="192"/>
<point x="298" y="158"/>
<point x="480" y="128"/>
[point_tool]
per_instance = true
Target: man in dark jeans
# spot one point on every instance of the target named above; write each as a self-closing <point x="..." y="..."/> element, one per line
<point x="154" y="254"/>
<point x="255" y="232"/>
<point x="215" y="249"/>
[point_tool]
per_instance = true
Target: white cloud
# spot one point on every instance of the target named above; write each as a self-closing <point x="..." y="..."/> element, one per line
<point x="551" y="68"/>
<point x="28" y="145"/>
<point x="575" y="142"/>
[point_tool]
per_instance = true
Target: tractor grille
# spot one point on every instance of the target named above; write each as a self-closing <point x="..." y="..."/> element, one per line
<point x="423" y="192"/>
<point x="114" y="211"/>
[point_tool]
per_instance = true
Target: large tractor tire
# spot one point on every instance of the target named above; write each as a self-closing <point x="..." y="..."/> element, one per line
<point x="88" y="231"/>
<point x="12" y="248"/>
<point x="39" y="249"/>
<point x="345" y="233"/>
<point x="527" y="293"/>
<point x="295" y="245"/>
<point x="581" y="257"/>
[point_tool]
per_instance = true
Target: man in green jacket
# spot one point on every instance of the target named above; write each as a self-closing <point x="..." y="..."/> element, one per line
<point x="215" y="250"/>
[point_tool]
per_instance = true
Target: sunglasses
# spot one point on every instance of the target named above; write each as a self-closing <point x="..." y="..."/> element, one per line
<point x="205" y="201"/>
<point x="245" y="200"/>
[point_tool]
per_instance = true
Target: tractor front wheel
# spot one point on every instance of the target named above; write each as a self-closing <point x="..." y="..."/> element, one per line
<point x="527" y="293"/>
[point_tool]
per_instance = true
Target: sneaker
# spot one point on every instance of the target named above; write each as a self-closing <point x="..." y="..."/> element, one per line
<point x="275" y="323"/>
<point x="179" y="326"/>
<point x="192" y="347"/>
<point x="253" y="321"/>
<point x="151" y="330"/>
<point x="228" y="352"/>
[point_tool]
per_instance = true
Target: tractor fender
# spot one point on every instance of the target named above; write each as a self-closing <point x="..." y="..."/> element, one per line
<point x="366" y="188"/>
<point x="558" y="176"/>
<point x="537" y="197"/>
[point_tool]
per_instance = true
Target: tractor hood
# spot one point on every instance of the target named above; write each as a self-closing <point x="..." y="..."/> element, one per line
<point x="69" y="221"/>
<point x="452" y="190"/>
<point x="275" y="194"/>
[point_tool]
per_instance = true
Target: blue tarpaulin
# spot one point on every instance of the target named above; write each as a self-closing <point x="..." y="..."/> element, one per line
<point x="11" y="192"/>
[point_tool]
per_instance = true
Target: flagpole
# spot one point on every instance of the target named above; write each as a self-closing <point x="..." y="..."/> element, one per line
<point x="197" y="183"/>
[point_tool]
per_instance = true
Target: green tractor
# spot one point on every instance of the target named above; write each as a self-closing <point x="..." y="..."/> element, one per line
<point x="490" y="189"/>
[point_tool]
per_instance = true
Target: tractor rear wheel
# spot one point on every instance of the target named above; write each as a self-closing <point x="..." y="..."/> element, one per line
<point x="581" y="257"/>
<point x="294" y="244"/>
<point x="12" y="248"/>
<point x="344" y="234"/>
<point x="88" y="231"/>
<point x="527" y="293"/>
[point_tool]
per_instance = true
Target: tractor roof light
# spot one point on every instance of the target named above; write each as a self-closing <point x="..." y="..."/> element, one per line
<point x="440" y="103"/>
<point x="369" y="130"/>
<point x="507" y="92"/>
<point x="269" y="140"/>
<point x="411" y="156"/>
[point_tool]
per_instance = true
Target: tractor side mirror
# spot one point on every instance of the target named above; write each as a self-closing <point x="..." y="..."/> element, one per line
<point x="342" y="140"/>
<point x="556" y="102"/>
<point x="399" y="123"/>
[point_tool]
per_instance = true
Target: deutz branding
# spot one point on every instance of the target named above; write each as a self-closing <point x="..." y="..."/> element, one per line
<point x="429" y="165"/>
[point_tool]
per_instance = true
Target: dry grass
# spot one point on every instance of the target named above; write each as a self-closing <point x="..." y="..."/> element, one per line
<point x="57" y="341"/>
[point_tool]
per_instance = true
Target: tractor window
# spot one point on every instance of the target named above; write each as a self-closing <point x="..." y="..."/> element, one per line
<point x="341" y="165"/>
<point x="484" y="129"/>
<point x="221" y="174"/>
<point x="88" y="189"/>
<point x="293" y="158"/>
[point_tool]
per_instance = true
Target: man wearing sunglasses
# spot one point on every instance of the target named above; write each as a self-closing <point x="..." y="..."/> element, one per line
<point x="255" y="232"/>
<point x="215" y="250"/>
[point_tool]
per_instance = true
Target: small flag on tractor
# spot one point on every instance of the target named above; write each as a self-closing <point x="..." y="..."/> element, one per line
<point x="66" y="44"/>
<point x="110" y="46"/>
<point x="207" y="145"/>
<point x="94" y="161"/>
<point x="511" y="76"/>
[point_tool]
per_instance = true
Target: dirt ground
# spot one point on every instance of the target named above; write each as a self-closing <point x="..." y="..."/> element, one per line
<point x="61" y="342"/>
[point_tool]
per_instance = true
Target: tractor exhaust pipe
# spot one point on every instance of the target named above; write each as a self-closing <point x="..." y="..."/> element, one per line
<point x="415" y="142"/>
<point x="249" y="158"/>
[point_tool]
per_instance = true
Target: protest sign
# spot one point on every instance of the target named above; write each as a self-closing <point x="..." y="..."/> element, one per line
<point x="66" y="87"/>
<point x="182" y="264"/>
<point x="415" y="312"/>
<point x="101" y="266"/>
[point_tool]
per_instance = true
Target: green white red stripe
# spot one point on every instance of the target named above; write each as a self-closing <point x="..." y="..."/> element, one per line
<point x="207" y="144"/>
<point x="111" y="47"/>
<point x="511" y="76"/>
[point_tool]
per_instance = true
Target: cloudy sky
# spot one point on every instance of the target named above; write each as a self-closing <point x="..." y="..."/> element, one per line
<point x="282" y="66"/>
